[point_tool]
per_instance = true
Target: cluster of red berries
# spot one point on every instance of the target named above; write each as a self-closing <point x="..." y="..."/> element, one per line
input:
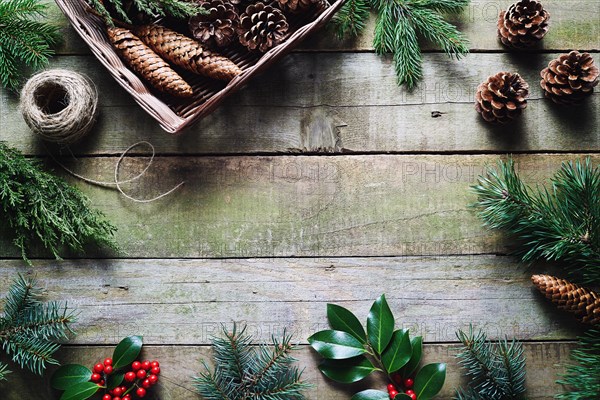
<point x="403" y="384"/>
<point x="142" y="375"/>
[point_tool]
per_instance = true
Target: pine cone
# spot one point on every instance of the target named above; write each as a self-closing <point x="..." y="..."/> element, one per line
<point x="584" y="303"/>
<point x="187" y="53"/>
<point x="262" y="27"/>
<point x="570" y="78"/>
<point x="298" y="6"/>
<point x="147" y="63"/>
<point x="501" y="98"/>
<point x="523" y="24"/>
<point x="218" y="27"/>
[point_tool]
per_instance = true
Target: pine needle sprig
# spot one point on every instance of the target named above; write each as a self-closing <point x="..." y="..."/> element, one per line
<point x="497" y="370"/>
<point x="560" y="223"/>
<point x="40" y="207"/>
<point x="583" y="379"/>
<point x="26" y="40"/>
<point x="153" y="8"/>
<point x="351" y="19"/>
<point x="31" y="329"/>
<point x="243" y="371"/>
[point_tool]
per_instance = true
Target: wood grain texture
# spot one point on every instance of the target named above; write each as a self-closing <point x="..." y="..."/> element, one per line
<point x="338" y="103"/>
<point x="180" y="363"/>
<point x="187" y="301"/>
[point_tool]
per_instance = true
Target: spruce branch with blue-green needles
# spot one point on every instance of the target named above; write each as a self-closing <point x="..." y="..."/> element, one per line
<point x="26" y="39"/>
<point x="152" y="8"/>
<point x="556" y="223"/>
<point x="496" y="370"/>
<point x="243" y="371"/>
<point x="399" y="25"/>
<point x="582" y="380"/>
<point x="30" y="329"/>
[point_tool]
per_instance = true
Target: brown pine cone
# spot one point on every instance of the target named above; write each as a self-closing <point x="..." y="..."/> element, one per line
<point x="523" y="24"/>
<point x="147" y="63"/>
<point x="570" y="78"/>
<point x="187" y="53"/>
<point x="584" y="303"/>
<point x="262" y="27"/>
<point x="298" y="6"/>
<point x="502" y="97"/>
<point x="218" y="27"/>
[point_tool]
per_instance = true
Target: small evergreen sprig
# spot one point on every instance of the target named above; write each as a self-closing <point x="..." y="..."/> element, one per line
<point x="399" y="24"/>
<point x="153" y="8"/>
<point x="243" y="371"/>
<point x="25" y="39"/>
<point x="583" y="379"/>
<point x="40" y="207"/>
<point x="497" y="370"/>
<point x="30" y="329"/>
<point x="561" y="223"/>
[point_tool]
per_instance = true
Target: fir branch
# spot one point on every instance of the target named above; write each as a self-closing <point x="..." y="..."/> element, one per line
<point x="40" y="207"/>
<point x="582" y="380"/>
<point x="351" y="19"/>
<point x="557" y="224"/>
<point x="3" y="372"/>
<point x="153" y="8"/>
<point x="25" y="39"/>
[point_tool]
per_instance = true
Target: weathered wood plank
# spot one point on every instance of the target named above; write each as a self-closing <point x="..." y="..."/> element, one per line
<point x="575" y="24"/>
<point x="338" y="103"/>
<point x="180" y="363"/>
<point x="187" y="301"/>
<point x="301" y="205"/>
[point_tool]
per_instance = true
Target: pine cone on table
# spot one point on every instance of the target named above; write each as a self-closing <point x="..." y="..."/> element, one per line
<point x="262" y="27"/>
<point x="523" y="24"/>
<point x="298" y="6"/>
<point x="584" y="303"/>
<point x="502" y="97"/>
<point x="570" y="78"/>
<point x="218" y="27"/>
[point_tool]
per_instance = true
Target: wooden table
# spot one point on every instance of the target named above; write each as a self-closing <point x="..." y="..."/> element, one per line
<point x="321" y="182"/>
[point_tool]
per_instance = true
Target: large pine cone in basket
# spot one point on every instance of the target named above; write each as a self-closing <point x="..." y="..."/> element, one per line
<point x="218" y="27"/>
<point x="570" y="78"/>
<point x="502" y="97"/>
<point x="262" y="27"/>
<point x="523" y="24"/>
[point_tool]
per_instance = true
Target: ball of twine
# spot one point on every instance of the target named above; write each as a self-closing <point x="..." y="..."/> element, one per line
<point x="59" y="105"/>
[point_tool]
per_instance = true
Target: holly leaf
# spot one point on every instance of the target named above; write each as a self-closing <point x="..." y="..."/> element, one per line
<point x="402" y="396"/>
<point x="127" y="351"/>
<point x="342" y="319"/>
<point x="115" y="380"/>
<point x="371" y="394"/>
<point x="380" y="324"/>
<point x="70" y="375"/>
<point x="429" y="380"/>
<point x="398" y="353"/>
<point x="417" y="351"/>
<point x="347" y="371"/>
<point x="336" y="345"/>
<point x="81" y="391"/>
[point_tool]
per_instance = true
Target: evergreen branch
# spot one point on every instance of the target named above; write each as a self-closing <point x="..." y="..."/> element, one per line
<point x="513" y="359"/>
<point x="438" y="31"/>
<point x="153" y="8"/>
<point x="30" y="352"/>
<point x="351" y="19"/>
<point x="22" y="295"/>
<point x="582" y="380"/>
<point x="3" y="372"/>
<point x="443" y="6"/>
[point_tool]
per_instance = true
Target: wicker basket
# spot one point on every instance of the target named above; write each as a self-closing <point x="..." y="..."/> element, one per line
<point x="176" y="114"/>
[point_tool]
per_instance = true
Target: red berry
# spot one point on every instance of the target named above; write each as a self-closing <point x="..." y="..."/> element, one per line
<point x="116" y="398"/>
<point x="108" y="361"/>
<point x="117" y="391"/>
<point x="408" y="383"/>
<point x="391" y="387"/>
<point x="393" y="394"/>
<point x="130" y="376"/>
<point x="155" y="370"/>
<point x="153" y="379"/>
<point x="146" y="365"/>
<point x="146" y="383"/>
<point x="141" y="392"/>
<point x="413" y="396"/>
<point x="96" y="377"/>
<point x="409" y="392"/>
<point x="141" y="374"/>
<point x="107" y="397"/>
<point x="108" y="369"/>
<point x="101" y="383"/>
<point x="136" y="365"/>
<point x="127" y="397"/>
<point x="98" y="368"/>
<point x="154" y="364"/>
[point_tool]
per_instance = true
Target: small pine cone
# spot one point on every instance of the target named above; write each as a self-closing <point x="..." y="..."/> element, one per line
<point x="523" y="24"/>
<point x="502" y="97"/>
<point x="584" y="303"/>
<point x="241" y="5"/>
<point x="187" y="53"/>
<point x="262" y="27"/>
<point x="218" y="27"/>
<point x="570" y="78"/>
<point x="298" y="6"/>
<point x="147" y="63"/>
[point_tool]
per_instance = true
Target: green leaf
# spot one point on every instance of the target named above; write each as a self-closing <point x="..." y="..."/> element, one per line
<point x="347" y="371"/>
<point x="115" y="380"/>
<point x="81" y="391"/>
<point x="402" y="396"/>
<point x="70" y="375"/>
<point x="417" y="351"/>
<point x="380" y="324"/>
<point x="336" y="345"/>
<point x="127" y="351"/>
<point x="430" y="380"/>
<point x="342" y="319"/>
<point x="371" y="394"/>
<point x="398" y="353"/>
